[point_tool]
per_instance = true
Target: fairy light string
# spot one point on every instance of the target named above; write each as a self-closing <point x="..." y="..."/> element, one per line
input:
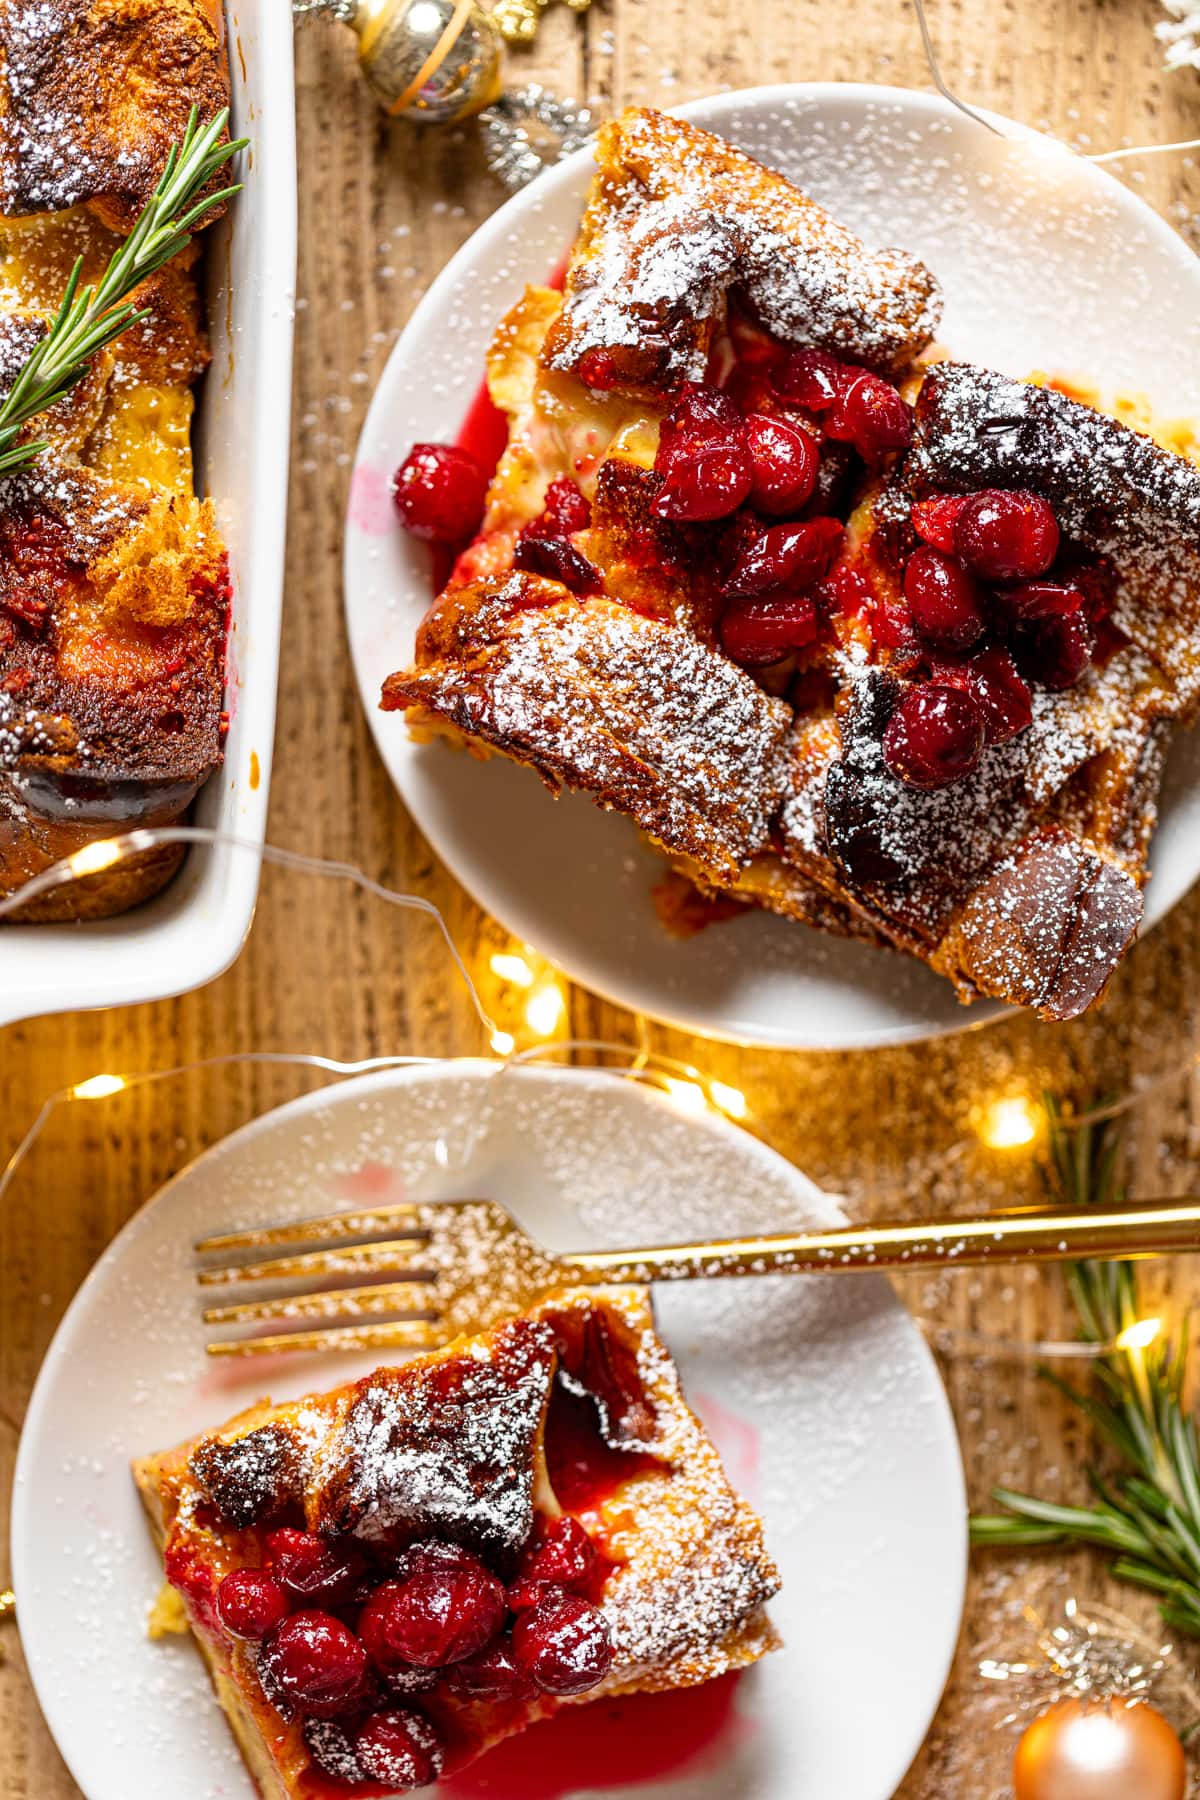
<point x="956" y="100"/>
<point x="1007" y="1124"/>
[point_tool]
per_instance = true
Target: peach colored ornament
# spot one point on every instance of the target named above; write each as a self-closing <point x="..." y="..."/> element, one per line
<point x="1100" y="1750"/>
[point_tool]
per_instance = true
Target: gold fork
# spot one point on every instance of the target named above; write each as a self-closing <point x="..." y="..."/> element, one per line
<point x="464" y="1264"/>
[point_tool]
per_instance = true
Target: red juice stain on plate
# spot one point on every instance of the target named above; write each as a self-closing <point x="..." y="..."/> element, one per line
<point x="484" y="433"/>
<point x="610" y="1744"/>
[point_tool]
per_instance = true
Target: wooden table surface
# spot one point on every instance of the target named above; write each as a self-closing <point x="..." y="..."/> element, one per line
<point x="381" y="210"/>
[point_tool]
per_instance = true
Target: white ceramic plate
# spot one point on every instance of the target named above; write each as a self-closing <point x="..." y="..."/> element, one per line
<point x="1046" y="263"/>
<point x="193" y="930"/>
<point x="824" y="1399"/>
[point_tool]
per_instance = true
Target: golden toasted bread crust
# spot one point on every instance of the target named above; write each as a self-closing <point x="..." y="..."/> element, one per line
<point x="93" y="93"/>
<point x="676" y="218"/>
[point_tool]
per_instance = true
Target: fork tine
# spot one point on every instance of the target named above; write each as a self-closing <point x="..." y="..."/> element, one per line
<point x="393" y="1297"/>
<point x="406" y="1334"/>
<point x="310" y="1231"/>
<point x="393" y="1257"/>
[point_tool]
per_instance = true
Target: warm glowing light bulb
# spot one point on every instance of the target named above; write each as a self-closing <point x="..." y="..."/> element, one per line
<point x="544" y="1010"/>
<point x="731" y="1100"/>
<point x="687" y="1094"/>
<point x="1138" y="1335"/>
<point x="94" y="857"/>
<point x="1007" y="1124"/>
<point x="503" y="1043"/>
<point x="98" y="1087"/>
<point x="512" y="968"/>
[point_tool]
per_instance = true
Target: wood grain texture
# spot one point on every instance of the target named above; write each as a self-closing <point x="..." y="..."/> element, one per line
<point x="381" y="209"/>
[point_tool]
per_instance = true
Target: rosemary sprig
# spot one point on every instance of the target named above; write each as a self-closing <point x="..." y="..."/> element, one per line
<point x="1149" y="1517"/>
<point x="89" y="318"/>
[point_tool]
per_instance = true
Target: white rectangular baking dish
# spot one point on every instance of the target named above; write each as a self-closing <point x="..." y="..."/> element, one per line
<point x="193" y="930"/>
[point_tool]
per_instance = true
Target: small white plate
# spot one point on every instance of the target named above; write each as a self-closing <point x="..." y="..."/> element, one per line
<point x="1046" y="262"/>
<point x="821" y="1393"/>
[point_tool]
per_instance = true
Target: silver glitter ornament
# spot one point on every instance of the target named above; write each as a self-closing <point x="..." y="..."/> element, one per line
<point x="530" y="130"/>
<point x="433" y="61"/>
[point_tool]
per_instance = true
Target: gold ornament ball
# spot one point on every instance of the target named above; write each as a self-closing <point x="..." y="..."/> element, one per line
<point x="1100" y="1750"/>
<point x="429" y="60"/>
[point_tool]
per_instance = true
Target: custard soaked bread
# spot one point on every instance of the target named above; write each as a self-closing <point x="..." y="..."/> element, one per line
<point x="889" y="645"/>
<point x="114" y="591"/>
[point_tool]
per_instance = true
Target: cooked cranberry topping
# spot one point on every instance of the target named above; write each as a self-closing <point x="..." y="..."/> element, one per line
<point x="492" y="1674"/>
<point x="1000" y="694"/>
<point x="1030" y="600"/>
<point x="756" y="633"/>
<point x="812" y="378"/>
<point x="406" y="1678"/>
<point x="439" y="492"/>
<point x="250" y="1603"/>
<point x="563" y="1644"/>
<point x="1055" y="649"/>
<point x="933" y="519"/>
<point x="708" y="483"/>
<point x="314" y="1568"/>
<point x="785" y="556"/>
<point x="565" y="510"/>
<point x="701" y="417"/>
<point x="443" y="1606"/>
<point x="934" y="737"/>
<point x="399" y="1748"/>
<point x="559" y="560"/>
<point x="947" y="606"/>
<point x="785" y="461"/>
<point x="1006" y="535"/>
<point x="598" y="369"/>
<point x="871" y="415"/>
<point x="562" y="1555"/>
<point x="332" y="1749"/>
<point x="316" y="1661"/>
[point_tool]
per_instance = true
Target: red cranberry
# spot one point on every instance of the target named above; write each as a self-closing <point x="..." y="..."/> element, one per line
<point x="871" y="415"/>
<point x="405" y="1679"/>
<point x="565" y="510"/>
<point x="560" y="561"/>
<point x="701" y="417"/>
<point x="439" y="492"/>
<point x="934" y="737"/>
<point x="314" y="1568"/>
<point x="316" y="1661"/>
<point x="1006" y="535"/>
<point x="563" y="1556"/>
<point x="492" y="1674"/>
<point x="755" y="633"/>
<point x="785" y="461"/>
<point x="563" y="1644"/>
<point x="709" y="483"/>
<point x="400" y="1749"/>
<point x="598" y="369"/>
<point x="933" y="519"/>
<point x="785" y="556"/>
<point x="1033" y="600"/>
<point x="812" y="379"/>
<point x="436" y="1613"/>
<point x="1054" y="650"/>
<point x="332" y="1749"/>
<point x="892" y="624"/>
<point x="1001" y="696"/>
<point x="947" y="607"/>
<point x="250" y="1603"/>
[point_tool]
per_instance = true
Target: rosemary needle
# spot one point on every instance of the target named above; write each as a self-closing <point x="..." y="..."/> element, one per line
<point x="89" y="318"/>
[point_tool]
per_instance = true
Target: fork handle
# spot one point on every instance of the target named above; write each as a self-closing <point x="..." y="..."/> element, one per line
<point x="1136" y="1228"/>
